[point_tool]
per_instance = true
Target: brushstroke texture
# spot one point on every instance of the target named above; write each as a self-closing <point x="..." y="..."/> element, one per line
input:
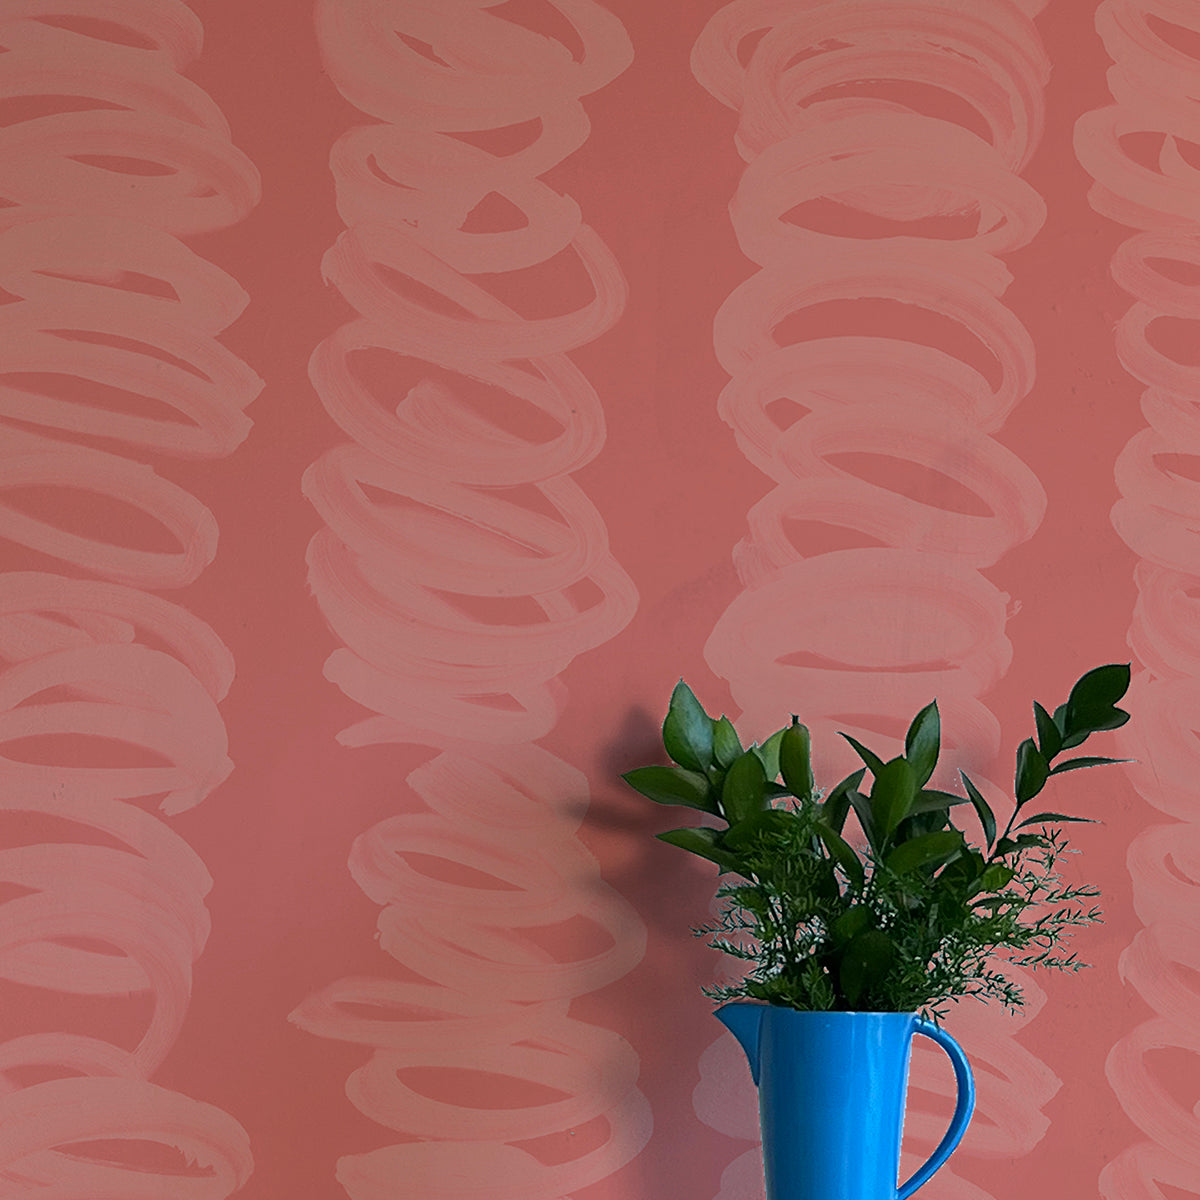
<point x="1140" y="152"/>
<point x="461" y="570"/>
<point x="109" y="694"/>
<point x="871" y="358"/>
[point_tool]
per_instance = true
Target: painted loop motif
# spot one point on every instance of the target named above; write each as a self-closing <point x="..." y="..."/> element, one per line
<point x="109" y="694"/>
<point x="871" y="359"/>
<point x="461" y="569"/>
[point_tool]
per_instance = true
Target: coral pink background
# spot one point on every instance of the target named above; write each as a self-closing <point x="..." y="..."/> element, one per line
<point x="830" y="355"/>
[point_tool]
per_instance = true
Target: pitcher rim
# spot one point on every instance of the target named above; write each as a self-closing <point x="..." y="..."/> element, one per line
<point x="820" y="1012"/>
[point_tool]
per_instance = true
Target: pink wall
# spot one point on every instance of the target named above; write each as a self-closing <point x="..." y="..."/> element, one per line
<point x="400" y="396"/>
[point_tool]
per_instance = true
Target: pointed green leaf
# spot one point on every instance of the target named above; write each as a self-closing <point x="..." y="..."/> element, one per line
<point x="1032" y="772"/>
<point x="923" y="742"/>
<point x="864" y="965"/>
<point x="1077" y="764"/>
<point x="825" y="883"/>
<point x="688" y="730"/>
<point x="1047" y="818"/>
<point x="873" y="761"/>
<point x="837" y="803"/>
<point x="983" y="811"/>
<point x="843" y="854"/>
<point x="892" y="796"/>
<point x="862" y="809"/>
<point x="1091" y="704"/>
<point x="672" y="785"/>
<point x="768" y="753"/>
<point x="852" y="922"/>
<point x="1049" y="734"/>
<point x="768" y="820"/>
<point x="744" y="791"/>
<point x="795" y="760"/>
<point x="1006" y="845"/>
<point x="995" y="877"/>
<point x="727" y="746"/>
<point x="923" y="850"/>
<point x="702" y="841"/>
<point x="917" y="823"/>
<point x="933" y="800"/>
<point x="1115" y="719"/>
<point x="961" y="876"/>
<point x="1068" y="740"/>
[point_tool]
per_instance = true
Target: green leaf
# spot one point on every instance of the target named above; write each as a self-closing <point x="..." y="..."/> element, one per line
<point x="893" y="794"/>
<point x="995" y="877"/>
<point x="961" y="876"/>
<point x="873" y="761"/>
<point x="837" y="803"/>
<point x="1091" y="704"/>
<point x="852" y="922"/>
<point x="1077" y="764"/>
<point x="1068" y="740"/>
<point x="825" y="882"/>
<point x="923" y="742"/>
<point x="923" y="850"/>
<point x="768" y="820"/>
<point x="983" y="811"/>
<point x="1046" y="818"/>
<point x="1114" y="720"/>
<point x="702" y="841"/>
<point x="744" y="792"/>
<point x="1049" y="734"/>
<point x="688" y="730"/>
<point x="932" y="800"/>
<point x="672" y="785"/>
<point x="862" y="809"/>
<point x="917" y="823"/>
<point x="1032" y="772"/>
<point x="1006" y="845"/>
<point x="768" y="753"/>
<point x="843" y="854"/>
<point x="727" y="746"/>
<point x="795" y="760"/>
<point x="864" y="964"/>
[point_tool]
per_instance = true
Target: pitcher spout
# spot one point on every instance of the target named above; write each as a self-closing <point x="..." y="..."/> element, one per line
<point x="744" y="1021"/>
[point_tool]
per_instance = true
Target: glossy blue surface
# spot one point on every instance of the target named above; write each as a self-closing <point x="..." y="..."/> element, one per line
<point x="831" y="1092"/>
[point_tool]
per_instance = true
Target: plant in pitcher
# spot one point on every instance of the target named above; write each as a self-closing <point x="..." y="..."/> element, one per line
<point x="854" y="945"/>
<point x="916" y="915"/>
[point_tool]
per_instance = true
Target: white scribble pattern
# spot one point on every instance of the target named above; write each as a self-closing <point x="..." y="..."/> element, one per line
<point x="462" y="569"/>
<point x="108" y="156"/>
<point x="846" y="111"/>
<point x="1154" y="188"/>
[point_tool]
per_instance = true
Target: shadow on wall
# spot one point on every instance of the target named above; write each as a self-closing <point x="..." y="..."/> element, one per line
<point x="660" y="1006"/>
<point x="661" y="879"/>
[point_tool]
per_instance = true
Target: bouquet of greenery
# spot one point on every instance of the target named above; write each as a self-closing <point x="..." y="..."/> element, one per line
<point x="917" y="916"/>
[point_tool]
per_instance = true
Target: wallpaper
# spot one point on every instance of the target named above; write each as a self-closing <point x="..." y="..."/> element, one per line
<point x="398" y="397"/>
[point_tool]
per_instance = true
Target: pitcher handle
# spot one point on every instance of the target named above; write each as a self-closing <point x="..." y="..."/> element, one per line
<point x="962" y="1109"/>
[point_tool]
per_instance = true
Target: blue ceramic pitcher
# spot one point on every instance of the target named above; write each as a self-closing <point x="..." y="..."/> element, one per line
<point x="831" y="1089"/>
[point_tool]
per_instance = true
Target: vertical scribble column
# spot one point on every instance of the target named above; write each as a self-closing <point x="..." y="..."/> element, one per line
<point x="462" y="569"/>
<point x="109" y="693"/>
<point x="871" y="361"/>
<point x="1142" y="153"/>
